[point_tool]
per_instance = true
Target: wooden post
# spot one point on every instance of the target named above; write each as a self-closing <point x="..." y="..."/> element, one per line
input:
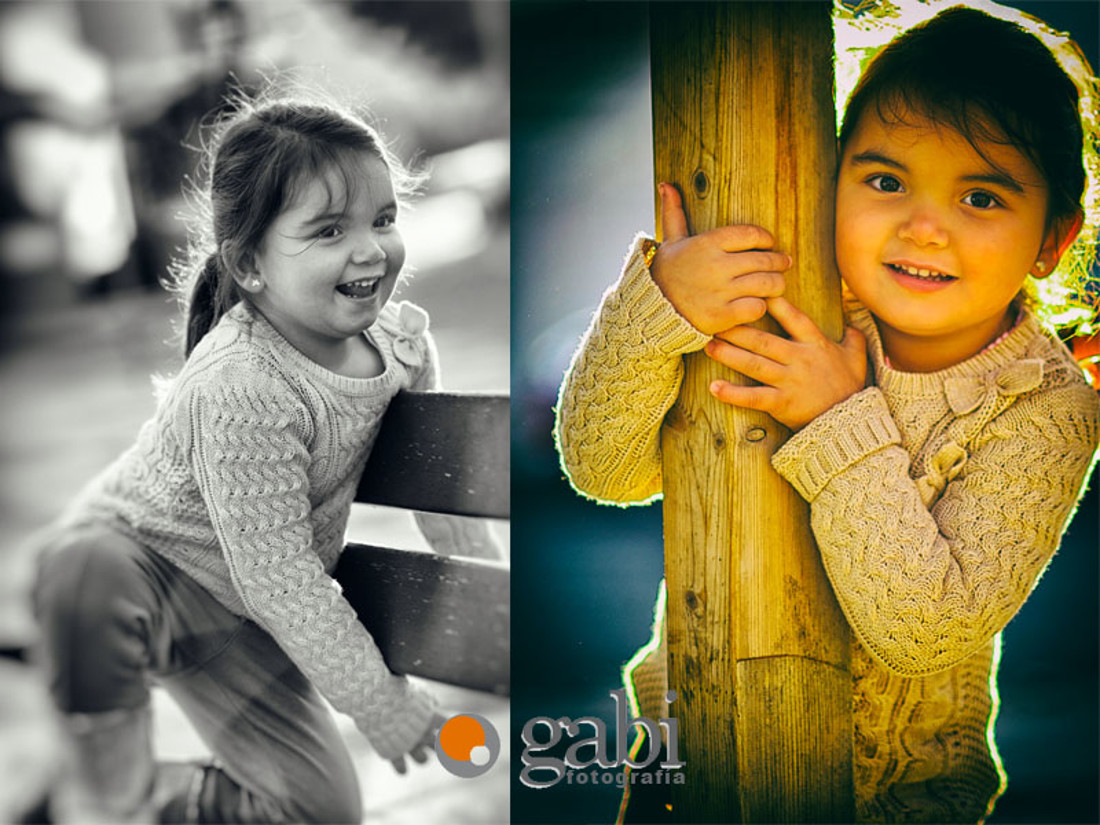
<point x="744" y="125"/>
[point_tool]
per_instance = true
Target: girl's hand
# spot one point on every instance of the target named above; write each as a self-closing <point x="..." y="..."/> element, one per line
<point x="802" y="376"/>
<point x="419" y="751"/>
<point x="718" y="279"/>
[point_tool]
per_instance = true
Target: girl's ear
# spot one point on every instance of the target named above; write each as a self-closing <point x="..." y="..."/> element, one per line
<point x="1059" y="238"/>
<point x="242" y="266"/>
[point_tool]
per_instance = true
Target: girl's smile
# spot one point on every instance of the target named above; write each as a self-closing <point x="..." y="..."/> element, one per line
<point x="329" y="263"/>
<point x="936" y="238"/>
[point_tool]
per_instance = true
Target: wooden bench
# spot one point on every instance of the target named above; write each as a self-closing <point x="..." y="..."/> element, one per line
<point x="440" y="617"/>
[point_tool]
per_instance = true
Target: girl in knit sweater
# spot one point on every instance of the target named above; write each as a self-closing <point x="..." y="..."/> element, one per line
<point x="202" y="556"/>
<point x="942" y="445"/>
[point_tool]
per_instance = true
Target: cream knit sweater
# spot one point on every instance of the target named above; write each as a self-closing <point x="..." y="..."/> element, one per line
<point x="244" y="479"/>
<point x="937" y="500"/>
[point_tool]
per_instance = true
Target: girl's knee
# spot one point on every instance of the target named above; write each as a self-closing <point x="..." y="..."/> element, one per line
<point x="82" y="573"/>
<point x="93" y="614"/>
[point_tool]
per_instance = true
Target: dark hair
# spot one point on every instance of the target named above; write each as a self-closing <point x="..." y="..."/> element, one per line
<point x="258" y="158"/>
<point x="991" y="81"/>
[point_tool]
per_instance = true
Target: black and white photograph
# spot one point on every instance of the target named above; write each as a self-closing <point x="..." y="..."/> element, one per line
<point x="254" y="284"/>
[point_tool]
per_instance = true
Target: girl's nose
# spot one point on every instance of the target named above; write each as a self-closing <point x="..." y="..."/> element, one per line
<point x="367" y="250"/>
<point x="924" y="226"/>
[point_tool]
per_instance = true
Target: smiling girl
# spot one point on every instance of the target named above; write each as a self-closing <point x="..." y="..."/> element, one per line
<point x="202" y="558"/>
<point x="942" y="444"/>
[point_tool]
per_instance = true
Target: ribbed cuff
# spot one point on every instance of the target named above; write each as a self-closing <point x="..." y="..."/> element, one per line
<point x="393" y="731"/>
<point x="640" y="302"/>
<point x="835" y="440"/>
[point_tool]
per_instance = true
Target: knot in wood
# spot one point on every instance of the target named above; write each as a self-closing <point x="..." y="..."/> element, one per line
<point x="691" y="600"/>
<point x="701" y="182"/>
<point x="756" y="434"/>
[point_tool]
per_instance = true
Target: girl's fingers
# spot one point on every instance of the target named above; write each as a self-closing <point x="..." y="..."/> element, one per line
<point x="673" y="220"/>
<point x="399" y="765"/>
<point x="754" y="260"/>
<point x="742" y="237"/>
<point x="797" y="323"/>
<point x="757" y="284"/>
<point x="747" y="363"/>
<point x="418" y="755"/>
<point x="751" y="398"/>
<point x="772" y="347"/>
<point x="743" y="311"/>
<point x="854" y="341"/>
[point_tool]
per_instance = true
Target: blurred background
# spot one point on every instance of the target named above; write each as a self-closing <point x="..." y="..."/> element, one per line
<point x="100" y="103"/>
<point x="582" y="185"/>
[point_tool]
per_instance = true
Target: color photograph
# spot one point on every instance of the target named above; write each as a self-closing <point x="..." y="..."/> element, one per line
<point x="601" y="320"/>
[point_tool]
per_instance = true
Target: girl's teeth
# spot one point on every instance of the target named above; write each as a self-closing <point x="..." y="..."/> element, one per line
<point x="358" y="289"/>
<point x="923" y="273"/>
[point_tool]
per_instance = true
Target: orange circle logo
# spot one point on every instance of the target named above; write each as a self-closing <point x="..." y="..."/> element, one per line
<point x="467" y="745"/>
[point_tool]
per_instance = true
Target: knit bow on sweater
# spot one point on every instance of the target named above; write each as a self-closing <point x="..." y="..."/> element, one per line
<point x="965" y="393"/>
<point x="412" y="322"/>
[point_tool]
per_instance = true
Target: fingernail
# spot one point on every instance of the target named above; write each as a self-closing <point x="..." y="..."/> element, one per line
<point x="715" y="386"/>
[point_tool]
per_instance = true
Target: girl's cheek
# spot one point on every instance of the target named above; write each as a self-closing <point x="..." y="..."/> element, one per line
<point x="395" y="252"/>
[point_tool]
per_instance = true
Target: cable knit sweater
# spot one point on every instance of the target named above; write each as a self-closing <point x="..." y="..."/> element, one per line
<point x="937" y="500"/>
<point x="244" y="479"/>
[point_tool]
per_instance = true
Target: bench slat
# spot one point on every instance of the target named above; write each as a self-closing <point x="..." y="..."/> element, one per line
<point x="441" y="452"/>
<point x="442" y="618"/>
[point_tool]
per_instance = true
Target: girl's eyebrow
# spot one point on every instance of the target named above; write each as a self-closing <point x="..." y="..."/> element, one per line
<point x="1002" y="179"/>
<point x="994" y="178"/>
<point x="323" y="217"/>
<point x="331" y="214"/>
<point x="871" y="156"/>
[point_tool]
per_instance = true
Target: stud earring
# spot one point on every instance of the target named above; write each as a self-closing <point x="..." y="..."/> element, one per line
<point x="1042" y="267"/>
<point x="255" y="283"/>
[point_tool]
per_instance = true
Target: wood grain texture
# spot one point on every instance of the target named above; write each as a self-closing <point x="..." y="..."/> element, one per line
<point x="441" y="618"/>
<point x="441" y="452"/>
<point x="744" y="126"/>
<point x="804" y="750"/>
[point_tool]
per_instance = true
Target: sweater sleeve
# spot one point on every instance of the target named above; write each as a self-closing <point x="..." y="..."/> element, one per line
<point x="248" y="450"/>
<point x="925" y="587"/>
<point x="623" y="379"/>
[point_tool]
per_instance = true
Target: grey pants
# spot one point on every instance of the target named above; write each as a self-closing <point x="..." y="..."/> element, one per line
<point x="115" y="616"/>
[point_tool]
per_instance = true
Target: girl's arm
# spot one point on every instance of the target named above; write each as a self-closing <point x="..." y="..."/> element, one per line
<point x="247" y="436"/>
<point x="925" y="587"/>
<point x="622" y="381"/>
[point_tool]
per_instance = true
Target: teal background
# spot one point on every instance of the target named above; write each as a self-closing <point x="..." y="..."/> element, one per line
<point x="585" y="575"/>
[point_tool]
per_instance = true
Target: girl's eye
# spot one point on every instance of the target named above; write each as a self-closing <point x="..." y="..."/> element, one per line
<point x="981" y="200"/>
<point x="384" y="220"/>
<point x="330" y="232"/>
<point x="884" y="183"/>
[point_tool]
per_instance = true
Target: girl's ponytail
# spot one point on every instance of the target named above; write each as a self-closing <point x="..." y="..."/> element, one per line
<point x="207" y="303"/>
